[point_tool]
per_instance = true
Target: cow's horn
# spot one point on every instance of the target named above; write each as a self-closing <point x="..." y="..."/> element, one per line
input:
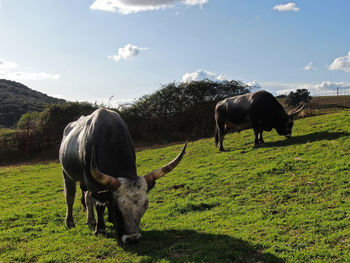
<point x="156" y="174"/>
<point x="104" y="179"/>
<point x="295" y="111"/>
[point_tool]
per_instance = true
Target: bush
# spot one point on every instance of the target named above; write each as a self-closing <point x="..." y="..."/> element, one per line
<point x="300" y="95"/>
<point x="46" y="127"/>
<point x="55" y="118"/>
<point x="29" y="121"/>
<point x="178" y="110"/>
<point x="175" y="112"/>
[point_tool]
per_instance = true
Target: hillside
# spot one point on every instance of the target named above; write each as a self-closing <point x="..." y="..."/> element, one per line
<point x="287" y="201"/>
<point x="17" y="99"/>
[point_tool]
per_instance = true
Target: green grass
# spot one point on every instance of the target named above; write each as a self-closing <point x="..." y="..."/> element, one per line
<point x="6" y="132"/>
<point x="288" y="201"/>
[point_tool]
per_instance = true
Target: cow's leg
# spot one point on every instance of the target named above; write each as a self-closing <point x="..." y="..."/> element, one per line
<point x="216" y="136"/>
<point x="90" y="203"/>
<point x="110" y="210"/>
<point x="221" y="132"/>
<point x="69" y="192"/>
<point x="261" y="140"/>
<point x="83" y="191"/>
<point x="101" y="226"/>
<point x="256" y="141"/>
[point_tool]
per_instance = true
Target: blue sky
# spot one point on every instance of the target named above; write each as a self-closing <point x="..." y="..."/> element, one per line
<point x="91" y="50"/>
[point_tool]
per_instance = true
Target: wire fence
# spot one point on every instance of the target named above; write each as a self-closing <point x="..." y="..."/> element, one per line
<point x="21" y="146"/>
<point x="337" y="98"/>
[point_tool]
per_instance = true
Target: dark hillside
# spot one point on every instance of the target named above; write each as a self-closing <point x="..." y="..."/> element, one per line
<point x="17" y="99"/>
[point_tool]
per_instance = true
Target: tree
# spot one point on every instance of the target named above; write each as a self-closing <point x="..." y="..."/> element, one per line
<point x="179" y="110"/>
<point x="297" y="97"/>
<point x="29" y="121"/>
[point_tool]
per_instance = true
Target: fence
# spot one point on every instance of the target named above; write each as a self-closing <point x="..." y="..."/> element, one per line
<point x="21" y="146"/>
<point x="329" y="98"/>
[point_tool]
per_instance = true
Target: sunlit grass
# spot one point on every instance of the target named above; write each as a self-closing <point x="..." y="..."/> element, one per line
<point x="6" y="132"/>
<point x="286" y="201"/>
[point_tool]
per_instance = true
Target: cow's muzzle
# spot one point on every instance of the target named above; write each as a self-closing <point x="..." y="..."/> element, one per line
<point x="131" y="239"/>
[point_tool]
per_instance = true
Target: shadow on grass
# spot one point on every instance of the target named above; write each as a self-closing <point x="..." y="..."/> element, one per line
<point x="312" y="137"/>
<point x="188" y="245"/>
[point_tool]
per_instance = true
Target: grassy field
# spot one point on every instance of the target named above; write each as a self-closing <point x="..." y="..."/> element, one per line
<point x="288" y="201"/>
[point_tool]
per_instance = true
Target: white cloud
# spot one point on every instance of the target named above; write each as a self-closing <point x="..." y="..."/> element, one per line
<point x="195" y="2"/>
<point x="253" y="85"/>
<point x="126" y="53"/>
<point x="202" y="75"/>
<point x="330" y="86"/>
<point x="309" y="66"/>
<point x="6" y="72"/>
<point x="112" y="102"/>
<point x="341" y="63"/>
<point x="27" y="75"/>
<point x="7" y="64"/>
<point x="206" y="75"/>
<point x="286" y="7"/>
<point x="316" y="89"/>
<point x="134" y="6"/>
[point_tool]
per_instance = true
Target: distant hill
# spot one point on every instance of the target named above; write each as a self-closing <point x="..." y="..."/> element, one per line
<point x="17" y="99"/>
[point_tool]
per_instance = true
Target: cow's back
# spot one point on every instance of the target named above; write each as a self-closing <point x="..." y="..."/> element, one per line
<point x="235" y="109"/>
<point x="107" y="132"/>
<point x="114" y="146"/>
<point x="69" y="157"/>
<point x="266" y="110"/>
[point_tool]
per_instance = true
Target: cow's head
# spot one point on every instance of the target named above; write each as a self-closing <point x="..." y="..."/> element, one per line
<point x="130" y="196"/>
<point x="286" y="130"/>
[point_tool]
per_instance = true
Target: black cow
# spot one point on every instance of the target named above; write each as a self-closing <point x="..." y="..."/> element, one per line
<point x="259" y="110"/>
<point x="97" y="151"/>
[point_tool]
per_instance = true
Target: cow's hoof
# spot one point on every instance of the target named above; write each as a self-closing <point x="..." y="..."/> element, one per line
<point x="100" y="232"/>
<point x="222" y="150"/>
<point x="92" y="225"/>
<point x="70" y="224"/>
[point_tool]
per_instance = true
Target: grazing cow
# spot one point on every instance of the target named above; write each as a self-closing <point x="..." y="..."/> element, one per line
<point x="259" y="110"/>
<point x="97" y="151"/>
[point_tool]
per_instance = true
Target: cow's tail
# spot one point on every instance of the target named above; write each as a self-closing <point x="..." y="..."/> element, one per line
<point x="216" y="135"/>
<point x="216" y="115"/>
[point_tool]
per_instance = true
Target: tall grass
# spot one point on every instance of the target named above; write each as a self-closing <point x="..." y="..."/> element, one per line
<point x="287" y="201"/>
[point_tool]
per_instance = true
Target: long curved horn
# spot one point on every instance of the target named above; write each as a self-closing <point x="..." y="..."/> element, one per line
<point x="295" y="111"/>
<point x="156" y="174"/>
<point x="104" y="179"/>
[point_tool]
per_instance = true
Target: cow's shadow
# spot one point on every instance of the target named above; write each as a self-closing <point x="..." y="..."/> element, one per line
<point x="191" y="246"/>
<point x="302" y="139"/>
